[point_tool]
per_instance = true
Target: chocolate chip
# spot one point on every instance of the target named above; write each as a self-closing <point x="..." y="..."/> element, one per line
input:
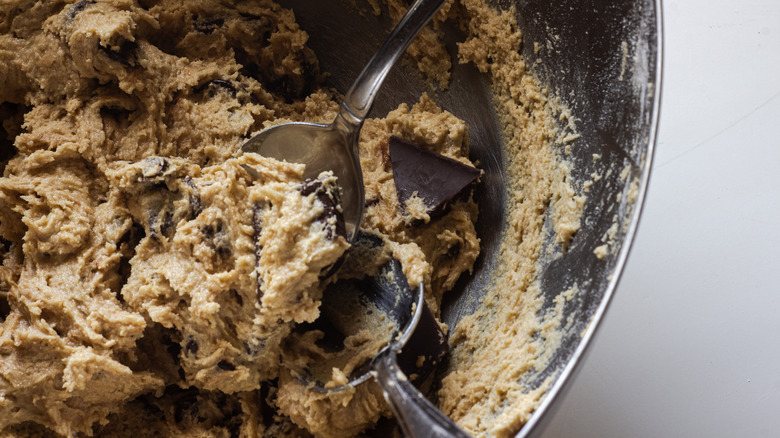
<point x="293" y="87"/>
<point x="126" y="247"/>
<point x="124" y="54"/>
<point x="196" y="206"/>
<point x="436" y="179"/>
<point x="427" y="341"/>
<point x="226" y="85"/>
<point x="310" y="186"/>
<point x="330" y="201"/>
<point x="218" y="238"/>
<point x="154" y="230"/>
<point x="191" y="347"/>
<point x="154" y="167"/>
<point x="78" y="8"/>
<point x="226" y="366"/>
<point x="254" y="347"/>
<point x="167" y="225"/>
<point x="196" y="203"/>
<point x="161" y="223"/>
<point x="215" y="85"/>
<point x="209" y="25"/>
<point x="454" y="250"/>
<point x="224" y="250"/>
<point x="371" y="202"/>
<point x="367" y="241"/>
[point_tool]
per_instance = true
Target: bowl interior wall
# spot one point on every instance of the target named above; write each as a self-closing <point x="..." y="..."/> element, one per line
<point x="600" y="58"/>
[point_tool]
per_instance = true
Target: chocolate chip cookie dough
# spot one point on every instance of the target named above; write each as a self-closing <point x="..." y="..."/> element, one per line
<point x="149" y="280"/>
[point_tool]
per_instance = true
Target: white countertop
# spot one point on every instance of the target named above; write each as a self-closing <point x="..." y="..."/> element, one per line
<point x="690" y="346"/>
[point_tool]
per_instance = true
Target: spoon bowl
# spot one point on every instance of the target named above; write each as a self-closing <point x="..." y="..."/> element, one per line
<point x="322" y="148"/>
<point x="416" y="335"/>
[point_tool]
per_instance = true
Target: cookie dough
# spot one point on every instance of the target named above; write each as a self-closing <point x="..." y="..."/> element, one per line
<point x="150" y="284"/>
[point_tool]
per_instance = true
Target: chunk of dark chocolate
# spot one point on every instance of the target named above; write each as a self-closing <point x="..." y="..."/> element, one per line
<point x="166" y="228"/>
<point x="217" y="237"/>
<point x="196" y="202"/>
<point x="191" y="347"/>
<point x="161" y="220"/>
<point x="126" y="246"/>
<point x="425" y="349"/>
<point x="154" y="167"/>
<point x="330" y="200"/>
<point x="226" y="366"/>
<point x="434" y="178"/>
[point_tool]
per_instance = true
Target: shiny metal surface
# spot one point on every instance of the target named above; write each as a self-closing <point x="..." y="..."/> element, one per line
<point x="603" y="59"/>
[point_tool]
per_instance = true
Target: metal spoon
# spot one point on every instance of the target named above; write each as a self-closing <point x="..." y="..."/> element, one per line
<point x="335" y="146"/>
<point x="417" y="334"/>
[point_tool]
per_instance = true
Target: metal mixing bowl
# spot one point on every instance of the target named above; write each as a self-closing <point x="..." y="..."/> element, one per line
<point x="603" y="58"/>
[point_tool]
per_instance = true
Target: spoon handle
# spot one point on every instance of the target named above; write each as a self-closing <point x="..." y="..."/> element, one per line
<point x="418" y="417"/>
<point x="361" y="94"/>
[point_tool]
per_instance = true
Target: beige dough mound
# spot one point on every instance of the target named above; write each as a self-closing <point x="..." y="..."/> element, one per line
<point x="222" y="263"/>
<point x="228" y="260"/>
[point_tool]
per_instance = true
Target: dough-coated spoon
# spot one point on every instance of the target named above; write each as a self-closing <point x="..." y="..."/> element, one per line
<point x="335" y="146"/>
<point x="417" y="335"/>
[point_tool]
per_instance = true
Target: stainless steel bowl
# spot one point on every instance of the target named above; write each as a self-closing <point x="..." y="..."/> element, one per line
<point x="603" y="59"/>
